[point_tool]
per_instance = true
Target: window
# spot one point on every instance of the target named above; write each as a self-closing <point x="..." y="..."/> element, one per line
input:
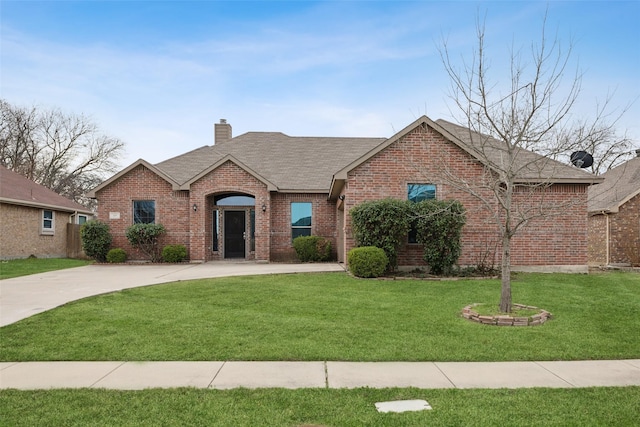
<point x="216" y="230"/>
<point x="48" y="223"/>
<point x="82" y="219"/>
<point x="300" y="219"/>
<point x="144" y="212"/>
<point x="417" y="193"/>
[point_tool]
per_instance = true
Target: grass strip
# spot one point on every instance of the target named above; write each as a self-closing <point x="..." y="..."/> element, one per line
<point x="320" y="407"/>
<point x="24" y="267"/>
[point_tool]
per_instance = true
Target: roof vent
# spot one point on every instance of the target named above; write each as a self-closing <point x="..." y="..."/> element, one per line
<point x="222" y="132"/>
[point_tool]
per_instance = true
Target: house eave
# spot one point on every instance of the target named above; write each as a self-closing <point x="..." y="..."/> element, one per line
<point x="584" y="181"/>
<point x="38" y="205"/>
<point x="337" y="185"/>
<point x="302" y="191"/>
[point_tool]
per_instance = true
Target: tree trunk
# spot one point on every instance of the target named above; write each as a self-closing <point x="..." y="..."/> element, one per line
<point x="505" y="294"/>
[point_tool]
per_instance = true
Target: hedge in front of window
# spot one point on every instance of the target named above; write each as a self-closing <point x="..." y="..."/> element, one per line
<point x="438" y="226"/>
<point x="312" y="248"/>
<point x="146" y="238"/>
<point x="382" y="223"/>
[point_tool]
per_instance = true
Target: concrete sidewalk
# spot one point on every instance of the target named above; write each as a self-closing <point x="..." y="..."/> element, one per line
<point x="293" y="375"/>
<point x="22" y="297"/>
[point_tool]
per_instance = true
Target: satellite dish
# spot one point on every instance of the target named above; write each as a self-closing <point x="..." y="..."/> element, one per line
<point x="581" y="159"/>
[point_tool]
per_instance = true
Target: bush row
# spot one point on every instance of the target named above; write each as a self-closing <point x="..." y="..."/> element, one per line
<point x="386" y="223"/>
<point x="96" y="240"/>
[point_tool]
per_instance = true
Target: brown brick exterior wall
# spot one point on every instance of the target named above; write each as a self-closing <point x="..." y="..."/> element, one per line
<point x="323" y="222"/>
<point x="623" y="235"/>
<point x="228" y="178"/>
<point x="598" y="238"/>
<point x="20" y="234"/>
<point x="418" y="158"/>
<point x="172" y="208"/>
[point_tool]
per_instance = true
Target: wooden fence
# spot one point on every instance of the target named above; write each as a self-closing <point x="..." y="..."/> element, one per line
<point x="74" y="242"/>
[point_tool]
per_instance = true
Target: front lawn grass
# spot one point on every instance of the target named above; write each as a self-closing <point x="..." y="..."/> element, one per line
<point x="320" y="407"/>
<point x="333" y="316"/>
<point x="24" y="267"/>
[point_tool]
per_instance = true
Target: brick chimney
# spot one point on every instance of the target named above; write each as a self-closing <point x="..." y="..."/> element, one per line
<point x="222" y="132"/>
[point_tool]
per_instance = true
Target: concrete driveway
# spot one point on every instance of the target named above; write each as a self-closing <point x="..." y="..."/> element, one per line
<point x="22" y="297"/>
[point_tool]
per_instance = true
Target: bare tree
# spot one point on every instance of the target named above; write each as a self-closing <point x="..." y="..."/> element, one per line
<point x="64" y="152"/>
<point x="516" y="130"/>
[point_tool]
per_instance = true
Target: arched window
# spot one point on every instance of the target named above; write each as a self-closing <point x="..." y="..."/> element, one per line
<point x="235" y="200"/>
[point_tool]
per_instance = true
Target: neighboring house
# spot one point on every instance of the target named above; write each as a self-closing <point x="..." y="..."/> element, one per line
<point x="614" y="216"/>
<point x="33" y="219"/>
<point x="248" y="197"/>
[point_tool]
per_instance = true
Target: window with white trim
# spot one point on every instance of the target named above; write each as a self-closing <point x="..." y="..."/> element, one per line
<point x="48" y="222"/>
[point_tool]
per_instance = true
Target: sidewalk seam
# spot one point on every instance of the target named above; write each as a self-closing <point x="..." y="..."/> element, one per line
<point x="107" y="374"/>
<point x="186" y="267"/>
<point x="216" y="374"/>
<point x="554" y="374"/>
<point x="445" y="375"/>
<point x="326" y="374"/>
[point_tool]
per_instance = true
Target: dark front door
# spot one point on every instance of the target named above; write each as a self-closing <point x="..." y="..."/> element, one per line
<point x="234" y="234"/>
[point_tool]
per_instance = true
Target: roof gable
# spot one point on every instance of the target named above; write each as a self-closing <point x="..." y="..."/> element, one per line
<point x="132" y="166"/>
<point x="620" y="185"/>
<point x="225" y="159"/>
<point x="532" y="167"/>
<point x="19" y="190"/>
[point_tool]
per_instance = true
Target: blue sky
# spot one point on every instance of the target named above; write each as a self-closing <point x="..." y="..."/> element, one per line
<point x="158" y="75"/>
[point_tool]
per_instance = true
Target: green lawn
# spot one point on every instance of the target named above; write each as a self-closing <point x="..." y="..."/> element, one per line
<point x="278" y="407"/>
<point x="333" y="316"/>
<point x="24" y="267"/>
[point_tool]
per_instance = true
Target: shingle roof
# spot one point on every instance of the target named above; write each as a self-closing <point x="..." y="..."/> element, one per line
<point x="19" y="190"/>
<point x="620" y="185"/>
<point x="314" y="164"/>
<point x="528" y="165"/>
<point x="291" y="163"/>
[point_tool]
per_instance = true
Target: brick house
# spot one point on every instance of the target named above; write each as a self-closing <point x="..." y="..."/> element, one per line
<point x="614" y="216"/>
<point x="33" y="219"/>
<point x="248" y="196"/>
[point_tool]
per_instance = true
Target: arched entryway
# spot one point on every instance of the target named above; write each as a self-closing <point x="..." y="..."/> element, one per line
<point x="233" y="226"/>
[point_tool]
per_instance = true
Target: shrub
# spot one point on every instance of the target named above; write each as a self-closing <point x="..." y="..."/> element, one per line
<point x="96" y="239"/>
<point x="145" y="237"/>
<point x="439" y="227"/>
<point x="367" y="261"/>
<point x="116" y="255"/>
<point x="312" y="248"/>
<point x="382" y="223"/>
<point x="174" y="253"/>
